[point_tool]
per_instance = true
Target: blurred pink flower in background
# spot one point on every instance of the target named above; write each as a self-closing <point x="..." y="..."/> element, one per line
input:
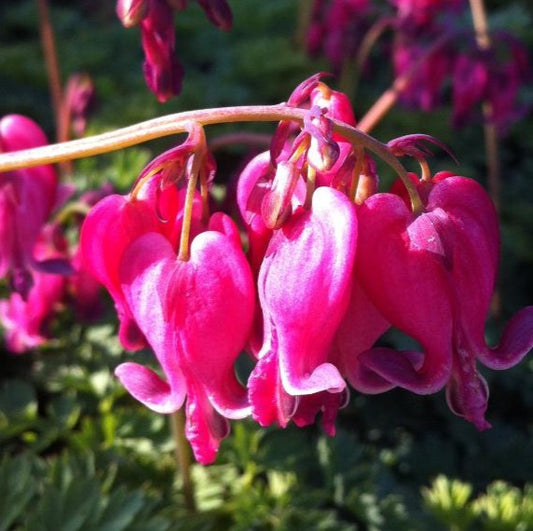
<point x="27" y="197"/>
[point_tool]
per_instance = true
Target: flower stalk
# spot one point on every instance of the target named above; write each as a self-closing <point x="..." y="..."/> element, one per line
<point x="481" y="28"/>
<point x="172" y="124"/>
<point x="51" y="61"/>
<point x="183" y="458"/>
<point x="183" y="253"/>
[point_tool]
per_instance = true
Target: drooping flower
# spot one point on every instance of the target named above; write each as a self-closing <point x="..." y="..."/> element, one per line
<point x="494" y="76"/>
<point x="432" y="276"/>
<point x="304" y="286"/>
<point x="193" y="304"/>
<point x="163" y="72"/>
<point x="425" y="70"/>
<point x="196" y="315"/>
<point x="25" y="320"/>
<point x="27" y="197"/>
<point x="423" y="12"/>
<point x="336" y="29"/>
<point x="155" y="205"/>
<point x="79" y="101"/>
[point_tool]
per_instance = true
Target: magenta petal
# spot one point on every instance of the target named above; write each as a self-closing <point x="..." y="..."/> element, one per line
<point x="326" y="403"/>
<point x="222" y="223"/>
<point x="360" y="328"/>
<point x="470" y="229"/>
<point x="106" y="233"/>
<point x="205" y="427"/>
<point x="366" y="380"/>
<point x="213" y="300"/>
<point x="148" y="388"/>
<point x="270" y="402"/>
<point x="304" y="287"/>
<point x="254" y="182"/>
<point x="20" y="132"/>
<point x="467" y="392"/>
<point x="404" y="369"/>
<point x="402" y="262"/>
<point x="516" y="342"/>
<point x="146" y="268"/>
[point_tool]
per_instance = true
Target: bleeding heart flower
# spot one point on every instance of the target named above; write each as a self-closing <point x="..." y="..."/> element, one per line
<point x="162" y="71"/>
<point x="264" y="192"/>
<point x="27" y="198"/>
<point x="432" y="276"/>
<point x="25" y="320"/>
<point x="304" y="287"/>
<point x="108" y="230"/>
<point x="196" y="315"/>
<point x="113" y="224"/>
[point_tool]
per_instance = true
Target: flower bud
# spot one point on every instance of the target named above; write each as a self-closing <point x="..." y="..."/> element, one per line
<point x="80" y="98"/>
<point x="322" y="153"/>
<point x="276" y="204"/>
<point x="131" y="12"/>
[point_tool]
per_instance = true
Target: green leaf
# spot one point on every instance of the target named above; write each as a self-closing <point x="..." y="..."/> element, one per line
<point x="120" y="510"/>
<point x="17" y="400"/>
<point x="17" y="488"/>
<point x="66" y="509"/>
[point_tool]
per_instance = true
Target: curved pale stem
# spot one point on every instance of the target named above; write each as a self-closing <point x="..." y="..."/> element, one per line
<point x="172" y="124"/>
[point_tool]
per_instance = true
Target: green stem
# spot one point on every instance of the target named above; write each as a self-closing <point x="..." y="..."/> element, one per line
<point x="183" y="457"/>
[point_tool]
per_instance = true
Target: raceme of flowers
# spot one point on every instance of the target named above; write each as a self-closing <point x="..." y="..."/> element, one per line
<point x="431" y="49"/>
<point x="330" y="264"/>
<point x="43" y="273"/>
<point x="163" y="72"/>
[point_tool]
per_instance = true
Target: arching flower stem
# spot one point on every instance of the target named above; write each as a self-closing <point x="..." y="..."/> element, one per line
<point x="172" y="124"/>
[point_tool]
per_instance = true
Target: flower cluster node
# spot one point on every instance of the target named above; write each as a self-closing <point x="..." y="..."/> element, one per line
<point x="331" y="263"/>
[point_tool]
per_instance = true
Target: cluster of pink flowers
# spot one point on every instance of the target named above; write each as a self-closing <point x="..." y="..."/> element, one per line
<point x="42" y="272"/>
<point x="331" y="263"/>
<point x="163" y="72"/>
<point x="349" y="21"/>
<point x="432" y="50"/>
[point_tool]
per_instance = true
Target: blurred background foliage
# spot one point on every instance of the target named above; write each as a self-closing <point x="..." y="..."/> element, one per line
<point x="78" y="453"/>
